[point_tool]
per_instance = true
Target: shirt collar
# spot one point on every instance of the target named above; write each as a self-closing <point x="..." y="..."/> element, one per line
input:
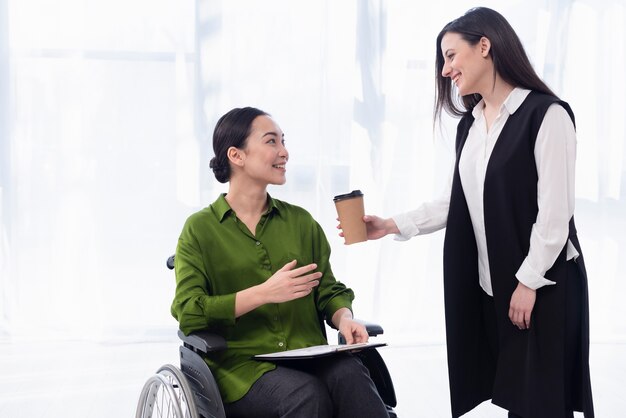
<point x="511" y="103"/>
<point x="222" y="209"/>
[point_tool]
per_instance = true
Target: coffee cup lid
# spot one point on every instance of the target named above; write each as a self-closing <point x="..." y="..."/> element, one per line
<point x="353" y="193"/>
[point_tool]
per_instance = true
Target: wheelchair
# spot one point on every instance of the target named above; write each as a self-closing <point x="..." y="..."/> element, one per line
<point x="191" y="391"/>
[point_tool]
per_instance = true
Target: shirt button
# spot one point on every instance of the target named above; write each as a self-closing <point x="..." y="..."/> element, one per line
<point x="280" y="344"/>
<point x="258" y="243"/>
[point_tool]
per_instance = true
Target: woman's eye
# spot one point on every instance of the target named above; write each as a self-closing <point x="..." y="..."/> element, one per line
<point x="271" y="141"/>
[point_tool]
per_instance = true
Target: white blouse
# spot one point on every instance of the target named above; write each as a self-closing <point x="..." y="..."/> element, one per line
<point x="555" y="156"/>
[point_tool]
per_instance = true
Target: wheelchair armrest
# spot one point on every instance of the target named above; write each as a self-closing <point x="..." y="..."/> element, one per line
<point x="203" y="341"/>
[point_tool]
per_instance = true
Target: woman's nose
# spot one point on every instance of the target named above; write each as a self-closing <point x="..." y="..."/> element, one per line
<point x="445" y="71"/>
<point x="284" y="153"/>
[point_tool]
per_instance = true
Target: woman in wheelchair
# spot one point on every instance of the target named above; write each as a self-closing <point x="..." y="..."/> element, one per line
<point x="256" y="270"/>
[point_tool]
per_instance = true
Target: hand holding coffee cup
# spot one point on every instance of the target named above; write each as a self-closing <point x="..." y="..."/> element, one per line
<point x="351" y="210"/>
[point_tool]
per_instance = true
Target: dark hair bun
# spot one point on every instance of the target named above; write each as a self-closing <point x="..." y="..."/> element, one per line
<point x="221" y="171"/>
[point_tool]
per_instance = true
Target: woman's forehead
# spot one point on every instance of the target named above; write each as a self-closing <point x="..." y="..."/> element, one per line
<point x="264" y="124"/>
<point x="450" y="40"/>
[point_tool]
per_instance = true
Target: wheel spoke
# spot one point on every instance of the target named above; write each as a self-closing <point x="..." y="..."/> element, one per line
<point x="167" y="395"/>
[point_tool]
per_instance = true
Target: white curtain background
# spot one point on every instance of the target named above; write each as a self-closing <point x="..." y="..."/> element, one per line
<point x="106" y="116"/>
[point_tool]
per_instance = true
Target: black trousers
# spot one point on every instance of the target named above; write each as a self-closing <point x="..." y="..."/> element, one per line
<point x="337" y="386"/>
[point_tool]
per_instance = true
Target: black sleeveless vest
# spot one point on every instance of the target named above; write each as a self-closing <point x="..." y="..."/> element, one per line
<point x="526" y="375"/>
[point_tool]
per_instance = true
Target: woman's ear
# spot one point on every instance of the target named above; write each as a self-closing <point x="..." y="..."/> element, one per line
<point x="485" y="46"/>
<point x="235" y="156"/>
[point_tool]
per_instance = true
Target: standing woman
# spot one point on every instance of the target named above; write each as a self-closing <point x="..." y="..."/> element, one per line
<point x="256" y="270"/>
<point x="515" y="286"/>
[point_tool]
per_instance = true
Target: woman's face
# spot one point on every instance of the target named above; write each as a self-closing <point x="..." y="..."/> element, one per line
<point x="468" y="66"/>
<point x="264" y="156"/>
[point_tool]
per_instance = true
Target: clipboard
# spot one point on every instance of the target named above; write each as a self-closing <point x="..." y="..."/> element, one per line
<point x="316" y="351"/>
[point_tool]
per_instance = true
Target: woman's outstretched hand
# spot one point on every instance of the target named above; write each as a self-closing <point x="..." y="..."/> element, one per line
<point x="377" y="227"/>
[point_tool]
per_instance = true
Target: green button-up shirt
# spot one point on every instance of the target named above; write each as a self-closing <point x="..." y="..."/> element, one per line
<point x="217" y="256"/>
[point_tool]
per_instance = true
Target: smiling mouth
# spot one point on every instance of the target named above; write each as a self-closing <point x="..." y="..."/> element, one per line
<point x="281" y="166"/>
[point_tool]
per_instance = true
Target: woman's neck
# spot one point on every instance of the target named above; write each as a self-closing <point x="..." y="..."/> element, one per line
<point x="247" y="201"/>
<point x="494" y="100"/>
<point x="496" y="95"/>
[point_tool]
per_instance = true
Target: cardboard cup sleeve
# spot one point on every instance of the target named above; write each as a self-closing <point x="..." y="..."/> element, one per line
<point x="350" y="209"/>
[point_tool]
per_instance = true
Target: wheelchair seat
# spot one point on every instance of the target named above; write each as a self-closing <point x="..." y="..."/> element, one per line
<point x="192" y="392"/>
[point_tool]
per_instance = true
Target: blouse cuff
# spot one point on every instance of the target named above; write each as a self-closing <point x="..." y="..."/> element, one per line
<point x="406" y="227"/>
<point x="221" y="309"/>
<point x="530" y="278"/>
<point x="334" y="305"/>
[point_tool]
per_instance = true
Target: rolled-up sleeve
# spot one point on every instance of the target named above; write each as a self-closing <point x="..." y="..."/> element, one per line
<point x="332" y="295"/>
<point x="194" y="307"/>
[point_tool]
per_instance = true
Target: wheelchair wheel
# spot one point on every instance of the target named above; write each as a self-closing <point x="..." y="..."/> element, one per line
<point x="166" y="395"/>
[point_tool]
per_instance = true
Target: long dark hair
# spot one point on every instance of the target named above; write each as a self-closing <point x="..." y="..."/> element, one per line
<point x="231" y="130"/>
<point x="507" y="52"/>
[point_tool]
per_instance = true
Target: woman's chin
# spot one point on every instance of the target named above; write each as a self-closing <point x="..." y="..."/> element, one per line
<point x="279" y="182"/>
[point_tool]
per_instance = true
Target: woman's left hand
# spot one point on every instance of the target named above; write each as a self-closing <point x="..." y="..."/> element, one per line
<point x="521" y="307"/>
<point x="353" y="331"/>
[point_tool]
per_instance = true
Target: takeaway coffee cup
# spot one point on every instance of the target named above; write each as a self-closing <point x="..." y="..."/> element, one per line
<point x="350" y="209"/>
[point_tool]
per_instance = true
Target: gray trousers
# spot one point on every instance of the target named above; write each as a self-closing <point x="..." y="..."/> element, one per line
<point x="337" y="386"/>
